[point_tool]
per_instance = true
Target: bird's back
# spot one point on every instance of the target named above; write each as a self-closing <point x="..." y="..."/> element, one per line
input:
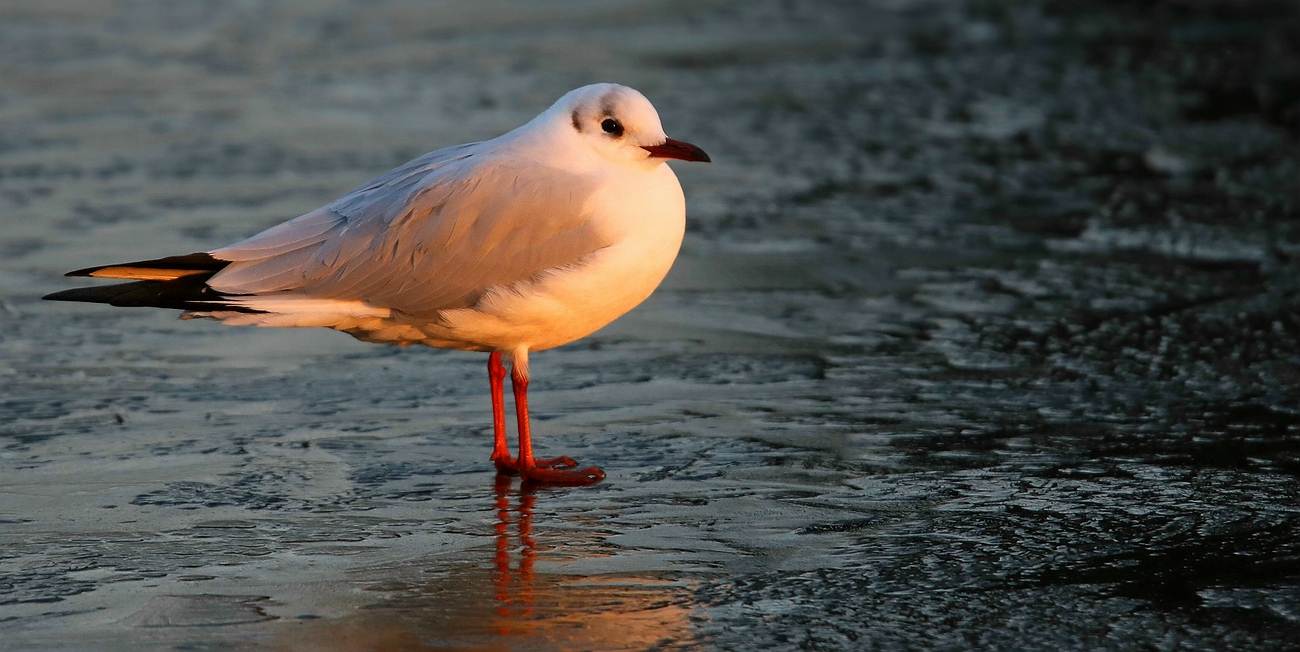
<point x="427" y="237"/>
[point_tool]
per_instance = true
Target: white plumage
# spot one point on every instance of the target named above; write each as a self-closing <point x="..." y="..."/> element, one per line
<point x="520" y="243"/>
<point x="524" y="242"/>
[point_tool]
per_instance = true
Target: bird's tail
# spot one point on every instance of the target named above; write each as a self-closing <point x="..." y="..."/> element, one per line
<point x="179" y="282"/>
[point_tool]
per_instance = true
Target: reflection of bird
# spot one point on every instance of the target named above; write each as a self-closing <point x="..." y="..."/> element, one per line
<point x="520" y="243"/>
<point x="514" y="588"/>
<point x="448" y="602"/>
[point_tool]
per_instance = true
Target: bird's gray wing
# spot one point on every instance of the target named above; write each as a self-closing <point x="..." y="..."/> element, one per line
<point x="431" y="235"/>
<point x="317" y="226"/>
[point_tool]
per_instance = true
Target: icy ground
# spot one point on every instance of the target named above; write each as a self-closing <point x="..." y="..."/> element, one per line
<point x="984" y="334"/>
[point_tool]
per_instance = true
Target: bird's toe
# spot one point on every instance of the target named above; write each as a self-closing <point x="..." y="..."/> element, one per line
<point x="561" y="462"/>
<point x="506" y="465"/>
<point x="571" y="477"/>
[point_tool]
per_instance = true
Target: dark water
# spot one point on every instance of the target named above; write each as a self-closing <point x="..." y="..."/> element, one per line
<point x="984" y="335"/>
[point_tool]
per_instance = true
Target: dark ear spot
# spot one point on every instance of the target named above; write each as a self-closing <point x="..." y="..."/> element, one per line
<point x="577" y="123"/>
<point x="608" y="102"/>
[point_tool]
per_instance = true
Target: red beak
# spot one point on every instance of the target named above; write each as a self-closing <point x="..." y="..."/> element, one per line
<point x="680" y="150"/>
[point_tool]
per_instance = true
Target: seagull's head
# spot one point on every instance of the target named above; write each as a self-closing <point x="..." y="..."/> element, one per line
<point x="620" y="125"/>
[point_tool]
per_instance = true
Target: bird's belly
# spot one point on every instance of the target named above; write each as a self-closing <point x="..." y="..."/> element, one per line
<point x="565" y="304"/>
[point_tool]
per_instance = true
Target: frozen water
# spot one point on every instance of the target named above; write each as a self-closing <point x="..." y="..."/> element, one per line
<point x="984" y="335"/>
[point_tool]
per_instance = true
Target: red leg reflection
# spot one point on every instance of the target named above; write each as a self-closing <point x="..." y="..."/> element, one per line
<point x="501" y="574"/>
<point x="528" y="549"/>
<point x="538" y="470"/>
<point x="500" y="450"/>
<point x="539" y="610"/>
<point x="514" y="587"/>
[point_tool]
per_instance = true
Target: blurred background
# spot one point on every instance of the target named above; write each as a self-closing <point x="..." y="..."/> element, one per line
<point x="983" y="334"/>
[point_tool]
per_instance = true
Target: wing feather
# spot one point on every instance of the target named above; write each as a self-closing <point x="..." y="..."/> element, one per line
<point x="431" y="235"/>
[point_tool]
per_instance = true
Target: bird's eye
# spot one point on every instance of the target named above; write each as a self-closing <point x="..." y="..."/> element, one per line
<point x="612" y="126"/>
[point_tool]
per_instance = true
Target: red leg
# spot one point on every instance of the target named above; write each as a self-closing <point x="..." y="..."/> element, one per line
<point x="500" y="450"/>
<point x="530" y="468"/>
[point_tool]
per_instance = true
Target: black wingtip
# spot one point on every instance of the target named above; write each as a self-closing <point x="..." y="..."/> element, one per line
<point x="102" y="294"/>
<point x="201" y="261"/>
<point x="186" y="293"/>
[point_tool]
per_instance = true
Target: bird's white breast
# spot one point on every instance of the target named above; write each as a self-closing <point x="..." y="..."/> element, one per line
<point x="643" y="214"/>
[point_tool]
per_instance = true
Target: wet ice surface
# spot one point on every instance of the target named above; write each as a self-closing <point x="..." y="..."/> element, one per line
<point x="983" y="335"/>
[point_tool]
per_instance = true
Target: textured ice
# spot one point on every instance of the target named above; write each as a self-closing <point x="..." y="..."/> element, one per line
<point x="983" y="336"/>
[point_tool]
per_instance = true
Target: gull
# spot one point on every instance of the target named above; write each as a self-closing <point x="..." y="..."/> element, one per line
<point x="521" y="243"/>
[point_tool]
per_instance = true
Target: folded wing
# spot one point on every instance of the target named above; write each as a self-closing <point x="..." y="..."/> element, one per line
<point x="432" y="235"/>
